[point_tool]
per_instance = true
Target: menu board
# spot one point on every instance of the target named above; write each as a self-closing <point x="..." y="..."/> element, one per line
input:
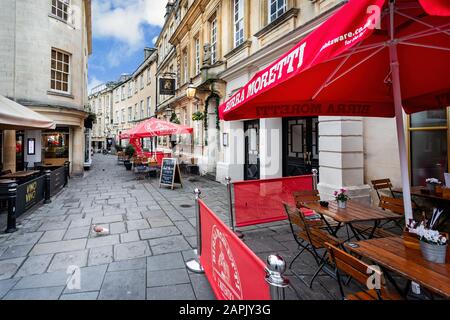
<point x="170" y="173"/>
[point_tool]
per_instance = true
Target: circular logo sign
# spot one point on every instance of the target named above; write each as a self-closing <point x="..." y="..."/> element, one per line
<point x="225" y="271"/>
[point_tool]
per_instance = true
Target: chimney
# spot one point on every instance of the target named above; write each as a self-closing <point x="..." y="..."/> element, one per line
<point x="148" y="52"/>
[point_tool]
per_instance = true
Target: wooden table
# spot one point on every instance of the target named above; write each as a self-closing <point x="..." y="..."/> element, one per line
<point x="19" y="174"/>
<point x="415" y="191"/>
<point x="392" y="254"/>
<point x="354" y="213"/>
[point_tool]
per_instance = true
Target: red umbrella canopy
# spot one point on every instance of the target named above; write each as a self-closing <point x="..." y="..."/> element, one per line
<point x="344" y="66"/>
<point x="155" y="127"/>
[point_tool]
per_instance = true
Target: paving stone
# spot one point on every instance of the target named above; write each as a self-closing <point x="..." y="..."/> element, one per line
<point x="6" y="285"/>
<point x="57" y="247"/>
<point x="107" y="219"/>
<point x="16" y="251"/>
<point x="176" y="292"/>
<point x="101" y="241"/>
<point x="23" y="239"/>
<point x="132" y="264"/>
<point x="201" y="286"/>
<point x="9" y="267"/>
<point x="77" y="233"/>
<point x="80" y="296"/>
<point x="117" y="228"/>
<point x="80" y="223"/>
<point x="63" y="260"/>
<point x="91" y="279"/>
<point x="100" y="255"/>
<point x="123" y="285"/>
<point x="137" y="225"/>
<point x="158" y="233"/>
<point x="34" y="265"/>
<point x="167" y="277"/>
<point x="49" y="279"/>
<point x="54" y="226"/>
<point x="168" y="244"/>
<point x="165" y="262"/>
<point x="131" y="250"/>
<point x="51" y="236"/>
<point x="35" y="294"/>
<point x="131" y="236"/>
<point x="157" y="222"/>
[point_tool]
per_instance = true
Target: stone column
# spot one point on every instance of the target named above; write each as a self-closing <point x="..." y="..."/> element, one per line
<point x="77" y="151"/>
<point x="9" y="150"/>
<point x="233" y="154"/>
<point x="341" y="157"/>
<point x="271" y="148"/>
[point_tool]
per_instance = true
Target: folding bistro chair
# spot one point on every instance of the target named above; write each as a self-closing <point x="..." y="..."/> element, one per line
<point x="359" y="271"/>
<point x="304" y="196"/>
<point x="309" y="239"/>
<point x="382" y="184"/>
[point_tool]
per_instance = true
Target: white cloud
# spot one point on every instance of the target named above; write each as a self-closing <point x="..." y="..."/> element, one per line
<point x="124" y="20"/>
<point x="154" y="40"/>
<point x="93" y="82"/>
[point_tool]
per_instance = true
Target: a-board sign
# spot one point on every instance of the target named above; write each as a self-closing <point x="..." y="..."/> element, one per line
<point x="170" y="173"/>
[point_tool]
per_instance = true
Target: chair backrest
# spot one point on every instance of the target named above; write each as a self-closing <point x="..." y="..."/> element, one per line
<point x="382" y="184"/>
<point x="393" y="204"/>
<point x="352" y="266"/>
<point x="304" y="196"/>
<point x="37" y="164"/>
<point x="296" y="221"/>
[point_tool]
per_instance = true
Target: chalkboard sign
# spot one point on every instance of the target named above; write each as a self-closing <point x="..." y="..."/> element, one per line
<point x="170" y="173"/>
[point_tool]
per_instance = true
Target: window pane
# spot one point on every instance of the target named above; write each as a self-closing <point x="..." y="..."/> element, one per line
<point x="428" y="155"/>
<point x="429" y="118"/>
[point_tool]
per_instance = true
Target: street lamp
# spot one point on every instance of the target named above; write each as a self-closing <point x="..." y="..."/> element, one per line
<point x="191" y="90"/>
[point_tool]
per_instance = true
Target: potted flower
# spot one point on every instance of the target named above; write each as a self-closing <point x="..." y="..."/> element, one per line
<point x="341" y="198"/>
<point x="433" y="244"/>
<point x="129" y="152"/>
<point x="432" y="183"/>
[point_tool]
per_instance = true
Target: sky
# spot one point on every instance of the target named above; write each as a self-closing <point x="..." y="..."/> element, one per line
<point x="121" y="29"/>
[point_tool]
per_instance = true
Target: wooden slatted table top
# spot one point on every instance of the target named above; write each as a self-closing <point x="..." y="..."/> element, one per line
<point x="393" y="254"/>
<point x="354" y="212"/>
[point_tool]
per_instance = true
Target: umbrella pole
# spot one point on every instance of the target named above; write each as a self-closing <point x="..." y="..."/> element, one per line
<point x="395" y="74"/>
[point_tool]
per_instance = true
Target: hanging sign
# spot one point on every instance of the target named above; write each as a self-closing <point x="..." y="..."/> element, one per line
<point x="167" y="86"/>
<point x="170" y="173"/>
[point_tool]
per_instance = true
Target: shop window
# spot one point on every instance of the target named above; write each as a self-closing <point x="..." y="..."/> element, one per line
<point x="428" y="133"/>
<point x="55" y="145"/>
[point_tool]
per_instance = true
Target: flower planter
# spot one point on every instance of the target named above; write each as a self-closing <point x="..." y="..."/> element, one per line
<point x="342" y="204"/>
<point x="128" y="165"/>
<point x="432" y="252"/>
<point x="431" y="187"/>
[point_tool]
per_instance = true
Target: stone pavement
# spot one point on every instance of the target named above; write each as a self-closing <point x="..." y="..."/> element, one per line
<point x="152" y="234"/>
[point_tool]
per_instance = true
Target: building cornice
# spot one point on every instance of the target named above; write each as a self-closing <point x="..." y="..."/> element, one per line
<point x="88" y="10"/>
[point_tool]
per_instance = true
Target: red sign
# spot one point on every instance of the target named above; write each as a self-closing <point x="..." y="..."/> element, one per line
<point x="232" y="269"/>
<point x="261" y="201"/>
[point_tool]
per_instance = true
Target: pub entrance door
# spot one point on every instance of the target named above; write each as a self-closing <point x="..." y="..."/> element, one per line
<point x="251" y="166"/>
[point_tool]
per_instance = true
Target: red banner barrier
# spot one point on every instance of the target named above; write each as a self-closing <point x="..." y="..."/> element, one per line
<point x="232" y="269"/>
<point x="261" y="201"/>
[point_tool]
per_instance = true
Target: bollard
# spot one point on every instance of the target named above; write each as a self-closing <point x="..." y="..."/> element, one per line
<point x="315" y="175"/>
<point x="47" y="187"/>
<point x="194" y="265"/>
<point x="8" y="191"/>
<point x="230" y="209"/>
<point x="67" y="172"/>
<point x="276" y="266"/>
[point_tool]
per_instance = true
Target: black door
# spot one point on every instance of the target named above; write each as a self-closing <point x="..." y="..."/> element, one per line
<point x="20" y="156"/>
<point x="300" y="146"/>
<point x="251" y="166"/>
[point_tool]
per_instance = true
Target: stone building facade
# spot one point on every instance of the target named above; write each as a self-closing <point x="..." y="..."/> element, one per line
<point x="44" y="49"/>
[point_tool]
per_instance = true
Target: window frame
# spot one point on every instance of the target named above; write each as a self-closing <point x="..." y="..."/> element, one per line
<point x="197" y="54"/>
<point x="279" y="11"/>
<point x="64" y="13"/>
<point x="62" y="72"/>
<point x="213" y="38"/>
<point x="238" y="19"/>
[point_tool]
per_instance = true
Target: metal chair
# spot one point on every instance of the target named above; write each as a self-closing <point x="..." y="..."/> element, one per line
<point x="359" y="271"/>
<point x="309" y="239"/>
